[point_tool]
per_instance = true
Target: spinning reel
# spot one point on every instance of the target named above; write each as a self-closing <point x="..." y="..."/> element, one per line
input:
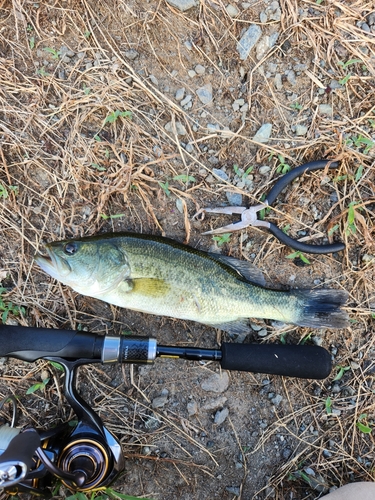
<point x="84" y="455"/>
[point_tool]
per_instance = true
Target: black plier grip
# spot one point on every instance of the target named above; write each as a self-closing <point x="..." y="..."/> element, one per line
<point x="249" y="215"/>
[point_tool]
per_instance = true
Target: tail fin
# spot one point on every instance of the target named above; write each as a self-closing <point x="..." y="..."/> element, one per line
<point x="322" y="308"/>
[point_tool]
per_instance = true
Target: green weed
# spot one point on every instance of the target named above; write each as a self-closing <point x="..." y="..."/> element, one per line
<point x="341" y="371"/>
<point x="328" y="405"/>
<point x="242" y="174"/>
<point x="107" y="493"/>
<point x="54" y="53"/>
<point x="283" y="167"/>
<point x="363" y="427"/>
<point x="333" y="229"/>
<point x="165" y="187"/>
<point x="8" y="307"/>
<point x="351" y="228"/>
<point x="115" y="216"/>
<point x="112" y="117"/>
<point x="184" y="178"/>
<point x="296" y="106"/>
<point x="298" y="255"/>
<point x="98" y="167"/>
<point x="38" y="386"/>
<point x="222" y="239"/>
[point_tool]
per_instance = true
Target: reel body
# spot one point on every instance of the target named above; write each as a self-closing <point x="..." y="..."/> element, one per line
<point x="85" y="456"/>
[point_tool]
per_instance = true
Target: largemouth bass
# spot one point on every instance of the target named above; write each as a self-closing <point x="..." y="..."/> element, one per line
<point x="160" y="276"/>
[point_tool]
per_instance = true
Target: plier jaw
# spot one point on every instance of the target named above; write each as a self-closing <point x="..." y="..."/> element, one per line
<point x="249" y="215"/>
<point x="248" y="218"/>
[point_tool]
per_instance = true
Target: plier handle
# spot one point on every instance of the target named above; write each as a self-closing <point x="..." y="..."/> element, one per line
<point x="249" y="215"/>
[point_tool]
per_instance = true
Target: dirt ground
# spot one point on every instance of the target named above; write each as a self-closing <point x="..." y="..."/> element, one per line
<point x="97" y="135"/>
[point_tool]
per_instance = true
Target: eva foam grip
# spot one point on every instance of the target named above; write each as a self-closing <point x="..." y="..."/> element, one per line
<point x="302" y="361"/>
<point x="30" y="344"/>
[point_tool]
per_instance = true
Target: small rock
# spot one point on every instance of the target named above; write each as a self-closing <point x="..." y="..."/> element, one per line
<point x="205" y="93"/>
<point x="291" y="77"/>
<point x="213" y="160"/>
<point x="234" y="490"/>
<point x="131" y="54"/>
<point x="366" y="27"/>
<point x="65" y="51"/>
<point x="217" y="382"/>
<point x="273" y="11"/>
<point x="186" y="101"/>
<point x="192" y="408"/>
<point x="220" y="173"/>
<point x="263" y="17"/>
<point x="182" y="5"/>
<point x="262" y="46"/>
<point x="301" y="130"/>
<point x="192" y="73"/>
<point x="278" y="81"/>
<point x="317" y="340"/>
<point x="325" y="109"/>
<point x="65" y="59"/>
<point x="277" y="400"/>
<point x="160" y="401"/>
<point x="180" y="205"/>
<point x="213" y="127"/>
<point x="180" y="129"/>
<point x="180" y="94"/>
<point x="232" y="10"/>
<point x="215" y="403"/>
<point x="189" y="147"/>
<point x="62" y="74"/>
<point x="199" y="69"/>
<point x="264" y="133"/>
<point x="248" y="41"/>
<point x="220" y="416"/>
<point x="264" y="170"/>
<point x="153" y="80"/>
<point x="235" y="199"/>
<point x="262" y="333"/>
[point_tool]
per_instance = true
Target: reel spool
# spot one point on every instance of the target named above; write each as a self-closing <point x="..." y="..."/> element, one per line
<point x="86" y="456"/>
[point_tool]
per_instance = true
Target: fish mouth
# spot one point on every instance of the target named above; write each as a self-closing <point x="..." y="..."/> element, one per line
<point x="55" y="267"/>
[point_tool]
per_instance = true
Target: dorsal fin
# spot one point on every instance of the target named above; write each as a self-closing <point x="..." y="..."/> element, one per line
<point x="243" y="267"/>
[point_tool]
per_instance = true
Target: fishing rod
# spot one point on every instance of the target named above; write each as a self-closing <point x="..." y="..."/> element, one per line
<point x="85" y="455"/>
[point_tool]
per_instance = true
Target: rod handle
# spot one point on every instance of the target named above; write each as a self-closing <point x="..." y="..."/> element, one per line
<point x="302" y="361"/>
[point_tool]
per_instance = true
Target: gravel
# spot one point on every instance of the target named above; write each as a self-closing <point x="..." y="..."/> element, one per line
<point x="182" y="5"/>
<point x="180" y="94"/>
<point x="180" y="128"/>
<point x="217" y="382"/>
<point x="264" y="133"/>
<point x="248" y="40"/>
<point x="220" y="416"/>
<point x="325" y="109"/>
<point x="205" y="93"/>
<point x="234" y="198"/>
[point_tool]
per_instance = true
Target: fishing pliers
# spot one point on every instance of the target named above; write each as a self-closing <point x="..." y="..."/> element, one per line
<point x="249" y="215"/>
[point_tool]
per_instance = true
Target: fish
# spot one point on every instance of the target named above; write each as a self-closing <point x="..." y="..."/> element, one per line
<point x="160" y="276"/>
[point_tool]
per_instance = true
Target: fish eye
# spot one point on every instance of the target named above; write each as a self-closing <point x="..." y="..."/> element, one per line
<point x="70" y="248"/>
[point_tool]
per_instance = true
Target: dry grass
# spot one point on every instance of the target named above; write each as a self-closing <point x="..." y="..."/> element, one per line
<point x="70" y="167"/>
